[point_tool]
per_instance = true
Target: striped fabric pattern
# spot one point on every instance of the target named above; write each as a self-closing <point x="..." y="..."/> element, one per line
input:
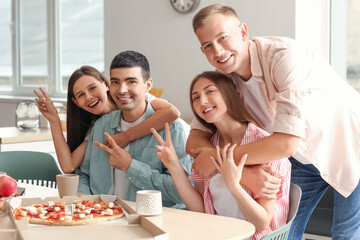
<point x="282" y="170"/>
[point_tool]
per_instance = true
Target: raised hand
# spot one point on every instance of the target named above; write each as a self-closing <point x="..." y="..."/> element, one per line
<point x="166" y="151"/>
<point x="118" y="157"/>
<point x="225" y="164"/>
<point x="121" y="139"/>
<point x="46" y="106"/>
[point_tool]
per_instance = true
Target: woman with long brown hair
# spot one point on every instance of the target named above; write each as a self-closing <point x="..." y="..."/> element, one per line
<point x="88" y="98"/>
<point x="212" y="97"/>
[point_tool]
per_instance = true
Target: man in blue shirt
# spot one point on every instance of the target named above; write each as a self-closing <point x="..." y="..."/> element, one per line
<point x="109" y="169"/>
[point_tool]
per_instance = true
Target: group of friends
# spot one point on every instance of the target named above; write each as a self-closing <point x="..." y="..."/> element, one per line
<point x="272" y="113"/>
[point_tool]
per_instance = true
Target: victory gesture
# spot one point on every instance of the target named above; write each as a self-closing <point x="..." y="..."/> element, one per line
<point x="166" y="151"/>
<point x="118" y="157"/>
<point x="46" y="106"/>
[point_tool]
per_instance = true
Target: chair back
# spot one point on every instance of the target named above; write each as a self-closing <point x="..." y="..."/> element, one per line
<point x="38" y="168"/>
<point x="294" y="201"/>
<point x="157" y="92"/>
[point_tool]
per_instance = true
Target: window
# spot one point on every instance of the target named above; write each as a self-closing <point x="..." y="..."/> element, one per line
<point x="33" y="38"/>
<point x="5" y="46"/>
<point x="50" y="40"/>
<point x="352" y="43"/>
<point x="345" y="38"/>
<point x="81" y="36"/>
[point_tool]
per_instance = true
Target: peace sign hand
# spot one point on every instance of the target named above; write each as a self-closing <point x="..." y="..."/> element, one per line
<point x="118" y="157"/>
<point x="46" y="106"/>
<point x="166" y="151"/>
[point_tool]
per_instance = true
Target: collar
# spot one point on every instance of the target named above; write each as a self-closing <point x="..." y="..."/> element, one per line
<point x="254" y="59"/>
<point x="117" y="115"/>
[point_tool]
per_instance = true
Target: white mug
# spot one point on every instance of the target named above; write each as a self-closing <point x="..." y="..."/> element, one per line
<point x="148" y="202"/>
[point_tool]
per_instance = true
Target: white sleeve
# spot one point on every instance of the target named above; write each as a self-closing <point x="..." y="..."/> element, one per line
<point x="195" y="124"/>
<point x="149" y="98"/>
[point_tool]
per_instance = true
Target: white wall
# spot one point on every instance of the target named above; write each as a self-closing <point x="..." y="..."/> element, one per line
<point x="166" y="38"/>
<point x="312" y="25"/>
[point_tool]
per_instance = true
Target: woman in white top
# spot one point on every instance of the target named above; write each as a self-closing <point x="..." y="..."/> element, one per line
<point x="212" y="95"/>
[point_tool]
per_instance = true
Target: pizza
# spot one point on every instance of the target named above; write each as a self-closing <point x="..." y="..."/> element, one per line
<point x="78" y="213"/>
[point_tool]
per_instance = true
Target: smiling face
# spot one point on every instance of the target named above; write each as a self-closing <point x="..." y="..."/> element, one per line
<point x="128" y="89"/>
<point x="91" y="95"/>
<point x="208" y="101"/>
<point x="224" y="41"/>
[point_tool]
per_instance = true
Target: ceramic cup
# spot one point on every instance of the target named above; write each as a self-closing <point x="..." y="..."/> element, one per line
<point x="67" y="184"/>
<point x="148" y="202"/>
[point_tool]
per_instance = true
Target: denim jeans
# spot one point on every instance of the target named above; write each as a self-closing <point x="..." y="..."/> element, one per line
<point x="346" y="219"/>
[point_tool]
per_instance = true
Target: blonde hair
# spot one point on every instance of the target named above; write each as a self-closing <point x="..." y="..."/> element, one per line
<point x="205" y="14"/>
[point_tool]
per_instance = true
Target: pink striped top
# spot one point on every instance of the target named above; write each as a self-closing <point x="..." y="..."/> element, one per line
<point x="282" y="170"/>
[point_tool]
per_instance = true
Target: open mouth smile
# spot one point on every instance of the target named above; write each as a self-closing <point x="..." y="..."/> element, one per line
<point x="208" y="109"/>
<point x="224" y="60"/>
<point x="123" y="99"/>
<point x="93" y="104"/>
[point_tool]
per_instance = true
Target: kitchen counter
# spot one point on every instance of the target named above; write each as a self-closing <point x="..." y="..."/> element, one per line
<point x="15" y="139"/>
<point x="16" y="135"/>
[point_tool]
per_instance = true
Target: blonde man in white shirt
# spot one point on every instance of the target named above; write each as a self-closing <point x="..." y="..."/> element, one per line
<point x="312" y="113"/>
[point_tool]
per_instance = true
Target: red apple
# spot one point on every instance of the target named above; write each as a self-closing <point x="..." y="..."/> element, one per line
<point x="8" y="186"/>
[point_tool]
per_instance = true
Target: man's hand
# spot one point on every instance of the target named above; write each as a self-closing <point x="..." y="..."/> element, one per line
<point x="118" y="157"/>
<point x="121" y="139"/>
<point x="202" y="164"/>
<point x="259" y="181"/>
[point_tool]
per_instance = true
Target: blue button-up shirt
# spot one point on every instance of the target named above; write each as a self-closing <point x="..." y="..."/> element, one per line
<point x="146" y="170"/>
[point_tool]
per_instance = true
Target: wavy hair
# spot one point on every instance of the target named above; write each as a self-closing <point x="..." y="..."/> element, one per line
<point x="225" y="85"/>
<point x="78" y="121"/>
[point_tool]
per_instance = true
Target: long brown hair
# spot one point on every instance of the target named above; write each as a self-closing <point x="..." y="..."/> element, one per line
<point x="78" y="121"/>
<point x="225" y="85"/>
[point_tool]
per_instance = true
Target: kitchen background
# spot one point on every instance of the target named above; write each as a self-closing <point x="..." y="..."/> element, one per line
<point x="165" y="37"/>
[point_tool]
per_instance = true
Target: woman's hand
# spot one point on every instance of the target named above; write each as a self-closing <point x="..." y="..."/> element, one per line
<point x="46" y="106"/>
<point x="224" y="163"/>
<point x="166" y="151"/>
<point x="121" y="139"/>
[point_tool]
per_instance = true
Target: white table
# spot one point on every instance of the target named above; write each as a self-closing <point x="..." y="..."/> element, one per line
<point x="32" y="191"/>
<point x="180" y="224"/>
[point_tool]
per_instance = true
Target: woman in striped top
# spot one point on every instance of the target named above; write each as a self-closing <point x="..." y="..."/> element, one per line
<point x="211" y="95"/>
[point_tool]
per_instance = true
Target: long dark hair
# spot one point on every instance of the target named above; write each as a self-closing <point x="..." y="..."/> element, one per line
<point x="225" y="85"/>
<point x="78" y="121"/>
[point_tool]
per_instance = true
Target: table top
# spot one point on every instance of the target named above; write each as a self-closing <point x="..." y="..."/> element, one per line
<point x="183" y="224"/>
<point x="16" y="135"/>
<point x="180" y="224"/>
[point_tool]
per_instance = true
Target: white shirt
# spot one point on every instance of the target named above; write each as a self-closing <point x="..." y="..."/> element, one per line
<point x="121" y="183"/>
<point x="223" y="201"/>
